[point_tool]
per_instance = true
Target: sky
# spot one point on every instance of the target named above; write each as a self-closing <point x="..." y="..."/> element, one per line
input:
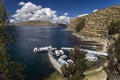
<point x="54" y="10"/>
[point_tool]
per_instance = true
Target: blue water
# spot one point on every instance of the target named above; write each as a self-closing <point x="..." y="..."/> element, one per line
<point x="38" y="66"/>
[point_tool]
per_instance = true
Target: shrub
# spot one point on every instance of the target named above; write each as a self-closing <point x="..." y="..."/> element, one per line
<point x="114" y="27"/>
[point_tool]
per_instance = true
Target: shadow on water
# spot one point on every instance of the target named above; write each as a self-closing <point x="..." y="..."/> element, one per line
<point x="38" y="66"/>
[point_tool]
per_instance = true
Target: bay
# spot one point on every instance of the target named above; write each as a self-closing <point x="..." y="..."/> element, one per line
<point x="38" y="66"/>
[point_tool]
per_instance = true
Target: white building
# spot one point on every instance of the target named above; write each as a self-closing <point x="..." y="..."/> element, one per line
<point x="91" y="57"/>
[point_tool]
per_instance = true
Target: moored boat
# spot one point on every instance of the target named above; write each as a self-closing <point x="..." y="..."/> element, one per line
<point x="58" y="59"/>
<point x="43" y="49"/>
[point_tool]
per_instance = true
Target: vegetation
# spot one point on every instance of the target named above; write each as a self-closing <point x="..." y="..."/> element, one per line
<point x="117" y="54"/>
<point x="56" y="76"/>
<point x="97" y="75"/>
<point x="113" y="68"/>
<point x="75" y="71"/>
<point x="80" y="25"/>
<point x="9" y="70"/>
<point x="114" y="27"/>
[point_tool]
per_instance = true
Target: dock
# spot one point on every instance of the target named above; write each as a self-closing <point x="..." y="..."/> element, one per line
<point x="57" y="57"/>
<point x="88" y="51"/>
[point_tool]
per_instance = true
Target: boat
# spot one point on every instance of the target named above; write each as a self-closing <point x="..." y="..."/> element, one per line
<point x="58" y="59"/>
<point x="43" y="49"/>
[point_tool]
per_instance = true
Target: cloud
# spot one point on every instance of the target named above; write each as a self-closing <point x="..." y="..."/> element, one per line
<point x="95" y="10"/>
<point x="32" y="12"/>
<point x="21" y="3"/>
<point x="12" y="21"/>
<point x="82" y="15"/>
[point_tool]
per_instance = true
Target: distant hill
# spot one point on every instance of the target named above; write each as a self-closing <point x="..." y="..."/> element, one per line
<point x="95" y="25"/>
<point x="33" y="23"/>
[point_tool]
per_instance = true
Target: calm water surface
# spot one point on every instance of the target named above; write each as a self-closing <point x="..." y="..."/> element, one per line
<point x="38" y="66"/>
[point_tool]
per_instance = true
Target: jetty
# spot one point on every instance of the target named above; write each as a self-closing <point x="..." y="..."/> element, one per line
<point x="88" y="51"/>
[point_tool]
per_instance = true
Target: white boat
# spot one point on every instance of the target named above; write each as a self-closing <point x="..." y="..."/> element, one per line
<point x="58" y="59"/>
<point x="54" y="61"/>
<point x="91" y="57"/>
<point x="43" y="49"/>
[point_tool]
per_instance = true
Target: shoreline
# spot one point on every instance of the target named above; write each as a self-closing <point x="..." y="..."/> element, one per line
<point x="102" y="41"/>
<point x="34" y="25"/>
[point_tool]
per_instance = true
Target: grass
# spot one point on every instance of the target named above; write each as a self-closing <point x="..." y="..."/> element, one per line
<point x="93" y="74"/>
<point x="56" y="76"/>
<point x="98" y="75"/>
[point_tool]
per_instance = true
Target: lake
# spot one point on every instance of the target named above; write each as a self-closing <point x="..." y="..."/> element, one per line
<point x="38" y="66"/>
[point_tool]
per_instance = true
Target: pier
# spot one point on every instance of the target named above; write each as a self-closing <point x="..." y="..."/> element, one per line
<point x="88" y="51"/>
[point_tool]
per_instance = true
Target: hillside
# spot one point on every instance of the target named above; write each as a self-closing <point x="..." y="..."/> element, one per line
<point x="96" y="24"/>
<point x="33" y="23"/>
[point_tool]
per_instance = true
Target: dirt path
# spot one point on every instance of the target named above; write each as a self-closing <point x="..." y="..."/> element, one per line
<point x="101" y="75"/>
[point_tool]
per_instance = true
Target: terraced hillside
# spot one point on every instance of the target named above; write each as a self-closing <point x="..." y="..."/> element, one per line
<point x="96" y="24"/>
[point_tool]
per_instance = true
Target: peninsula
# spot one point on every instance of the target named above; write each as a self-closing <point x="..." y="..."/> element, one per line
<point x="33" y="23"/>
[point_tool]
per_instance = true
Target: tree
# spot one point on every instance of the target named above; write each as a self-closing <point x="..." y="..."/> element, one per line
<point x="117" y="49"/>
<point x="110" y="69"/>
<point x="3" y="15"/>
<point x="113" y="68"/>
<point x="75" y="71"/>
<point x="78" y="58"/>
<point x="68" y="70"/>
<point x="9" y="70"/>
<point x="117" y="54"/>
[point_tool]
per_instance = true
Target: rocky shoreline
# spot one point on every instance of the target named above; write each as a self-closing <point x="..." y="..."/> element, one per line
<point x="102" y="41"/>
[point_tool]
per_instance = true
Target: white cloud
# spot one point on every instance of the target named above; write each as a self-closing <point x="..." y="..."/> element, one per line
<point x="12" y="21"/>
<point x="21" y="3"/>
<point x="30" y="11"/>
<point x="82" y="15"/>
<point x="65" y="14"/>
<point x="95" y="10"/>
